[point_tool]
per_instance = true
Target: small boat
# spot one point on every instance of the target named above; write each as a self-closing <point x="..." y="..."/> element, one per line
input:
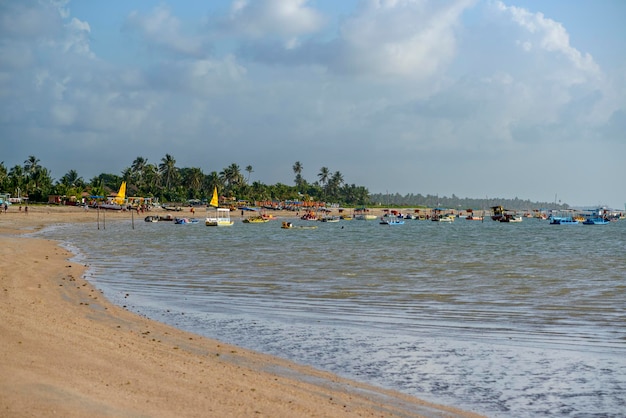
<point x="508" y="217"/>
<point x="309" y="216"/>
<point x="151" y="218"/>
<point x="597" y="217"/>
<point x="471" y="217"/>
<point x="563" y="220"/>
<point x="185" y="221"/>
<point x="221" y="218"/>
<point x="172" y="208"/>
<point x="389" y="220"/>
<point x="289" y="225"/>
<point x="222" y="215"/>
<point x="255" y="220"/>
<point x="363" y="214"/>
<point x="596" y="221"/>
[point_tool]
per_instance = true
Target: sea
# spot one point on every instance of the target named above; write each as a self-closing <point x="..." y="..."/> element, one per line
<point x="505" y="319"/>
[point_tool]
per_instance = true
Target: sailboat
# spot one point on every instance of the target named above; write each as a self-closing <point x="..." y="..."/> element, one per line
<point x="222" y="215"/>
<point x="118" y="201"/>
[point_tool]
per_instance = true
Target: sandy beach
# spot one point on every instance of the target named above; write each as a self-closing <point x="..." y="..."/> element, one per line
<point x="67" y="351"/>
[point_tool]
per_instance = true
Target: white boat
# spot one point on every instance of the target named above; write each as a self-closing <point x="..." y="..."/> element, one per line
<point x="438" y="215"/>
<point x="222" y="215"/>
<point x="221" y="218"/>
<point x="390" y="220"/>
<point x="364" y="215"/>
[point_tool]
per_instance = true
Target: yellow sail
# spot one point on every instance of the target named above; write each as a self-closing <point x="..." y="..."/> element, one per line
<point x="120" y="198"/>
<point x="214" y="202"/>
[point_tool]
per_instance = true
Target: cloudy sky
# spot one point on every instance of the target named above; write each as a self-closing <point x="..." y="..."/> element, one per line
<point x="511" y="98"/>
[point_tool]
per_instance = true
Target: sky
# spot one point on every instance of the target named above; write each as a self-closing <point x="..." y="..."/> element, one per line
<point x="476" y="98"/>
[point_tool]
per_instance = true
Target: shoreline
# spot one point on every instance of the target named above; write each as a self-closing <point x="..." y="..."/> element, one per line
<point x="67" y="351"/>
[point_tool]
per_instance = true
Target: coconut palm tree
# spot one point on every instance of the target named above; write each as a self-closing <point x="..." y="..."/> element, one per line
<point x="31" y="166"/>
<point x="169" y="172"/>
<point x="297" y="170"/>
<point x="231" y="175"/>
<point x="323" y="176"/>
<point x="250" y="171"/>
<point x="72" y="179"/>
<point x="138" y="170"/>
<point x="192" y="180"/>
<point x="334" y="184"/>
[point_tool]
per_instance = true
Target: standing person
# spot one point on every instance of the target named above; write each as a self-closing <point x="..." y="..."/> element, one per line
<point x="6" y="207"/>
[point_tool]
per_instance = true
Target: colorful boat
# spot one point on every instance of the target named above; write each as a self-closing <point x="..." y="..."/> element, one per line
<point x="289" y="225"/>
<point x="563" y="220"/>
<point x="185" y="221"/>
<point x="222" y="215"/>
<point x="597" y="217"/>
<point x="390" y="220"/>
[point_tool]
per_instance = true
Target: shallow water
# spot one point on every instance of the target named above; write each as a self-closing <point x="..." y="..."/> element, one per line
<point x="503" y="319"/>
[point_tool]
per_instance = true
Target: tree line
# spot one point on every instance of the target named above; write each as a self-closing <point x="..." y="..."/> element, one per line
<point x="459" y="203"/>
<point x="170" y="183"/>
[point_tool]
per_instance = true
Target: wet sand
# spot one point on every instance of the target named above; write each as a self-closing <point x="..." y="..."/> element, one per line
<point x="67" y="351"/>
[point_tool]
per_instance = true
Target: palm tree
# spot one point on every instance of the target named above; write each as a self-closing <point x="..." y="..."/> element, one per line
<point x="72" y="179"/>
<point x="152" y="179"/>
<point x="231" y="175"/>
<point x="137" y="171"/>
<point x="250" y="171"/>
<point x="334" y="184"/>
<point x="31" y="166"/>
<point x="4" y="175"/>
<point x="169" y="171"/>
<point x="323" y="176"/>
<point x="212" y="181"/>
<point x="192" y="180"/>
<point x="17" y="180"/>
<point x="297" y="170"/>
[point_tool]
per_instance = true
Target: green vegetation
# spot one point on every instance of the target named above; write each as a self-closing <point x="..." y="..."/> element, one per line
<point x="169" y="183"/>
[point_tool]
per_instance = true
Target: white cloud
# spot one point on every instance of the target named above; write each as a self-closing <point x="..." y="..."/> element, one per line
<point x="401" y="38"/>
<point x="550" y="35"/>
<point x="77" y="38"/>
<point x="285" y="18"/>
<point x="163" y="30"/>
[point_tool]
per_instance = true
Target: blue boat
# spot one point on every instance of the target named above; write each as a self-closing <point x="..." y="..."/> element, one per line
<point x="563" y="220"/>
<point x="597" y="217"/>
<point x="389" y="220"/>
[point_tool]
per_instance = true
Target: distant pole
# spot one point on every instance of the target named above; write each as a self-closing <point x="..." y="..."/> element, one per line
<point x="98" y="217"/>
<point x="132" y="216"/>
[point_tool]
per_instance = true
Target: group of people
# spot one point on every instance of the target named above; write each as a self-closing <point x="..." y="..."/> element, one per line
<point x="5" y="208"/>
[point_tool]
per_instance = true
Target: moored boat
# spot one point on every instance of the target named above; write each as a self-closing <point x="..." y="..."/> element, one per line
<point x="185" y="221"/>
<point x="221" y="218"/>
<point x="255" y="220"/>
<point x="597" y="217"/>
<point x="289" y="225"/>
<point x="563" y="220"/>
<point x="390" y="220"/>
<point x="222" y="215"/>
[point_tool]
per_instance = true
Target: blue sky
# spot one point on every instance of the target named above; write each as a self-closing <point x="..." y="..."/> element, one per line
<point x="474" y="98"/>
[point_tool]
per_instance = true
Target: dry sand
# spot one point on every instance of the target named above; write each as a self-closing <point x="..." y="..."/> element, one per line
<point x="65" y="351"/>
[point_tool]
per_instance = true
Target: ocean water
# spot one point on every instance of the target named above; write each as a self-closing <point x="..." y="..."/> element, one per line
<point x="520" y="320"/>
